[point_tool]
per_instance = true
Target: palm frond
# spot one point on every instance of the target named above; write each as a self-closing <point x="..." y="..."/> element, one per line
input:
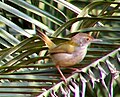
<point x="99" y="77"/>
<point x="25" y="66"/>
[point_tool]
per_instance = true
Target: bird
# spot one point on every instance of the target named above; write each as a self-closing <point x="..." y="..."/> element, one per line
<point x="70" y="52"/>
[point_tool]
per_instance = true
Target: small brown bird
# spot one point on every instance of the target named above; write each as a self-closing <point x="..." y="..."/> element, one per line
<point x="68" y="53"/>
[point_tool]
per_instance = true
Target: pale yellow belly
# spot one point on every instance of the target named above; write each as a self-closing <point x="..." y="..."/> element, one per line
<point x="66" y="59"/>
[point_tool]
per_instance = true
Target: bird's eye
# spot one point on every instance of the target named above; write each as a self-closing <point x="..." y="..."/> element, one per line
<point x="87" y="39"/>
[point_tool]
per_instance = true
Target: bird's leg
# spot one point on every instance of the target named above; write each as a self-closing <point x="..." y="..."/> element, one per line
<point x="75" y="70"/>
<point x="64" y="79"/>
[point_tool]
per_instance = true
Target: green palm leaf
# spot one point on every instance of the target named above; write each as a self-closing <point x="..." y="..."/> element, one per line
<point x="25" y="66"/>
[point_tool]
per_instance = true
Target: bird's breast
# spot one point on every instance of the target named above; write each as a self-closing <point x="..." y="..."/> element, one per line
<point x="68" y="59"/>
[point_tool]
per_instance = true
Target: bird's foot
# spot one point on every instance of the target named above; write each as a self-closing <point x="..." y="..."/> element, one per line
<point x="76" y="70"/>
<point x="64" y="80"/>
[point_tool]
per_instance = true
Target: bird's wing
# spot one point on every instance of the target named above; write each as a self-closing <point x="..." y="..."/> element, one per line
<point x="66" y="47"/>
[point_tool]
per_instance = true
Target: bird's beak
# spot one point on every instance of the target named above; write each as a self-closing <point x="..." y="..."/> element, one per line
<point x="96" y="40"/>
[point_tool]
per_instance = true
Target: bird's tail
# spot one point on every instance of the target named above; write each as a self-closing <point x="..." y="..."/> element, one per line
<point x="46" y="39"/>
